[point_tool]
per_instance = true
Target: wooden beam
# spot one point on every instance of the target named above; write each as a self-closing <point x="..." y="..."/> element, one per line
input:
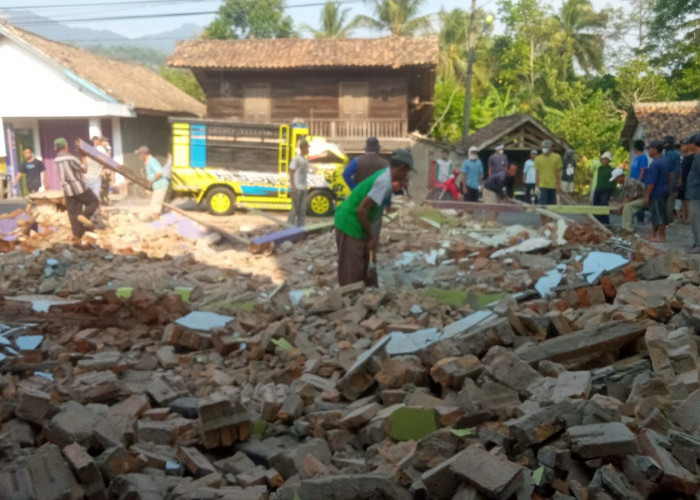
<point x="230" y="237"/>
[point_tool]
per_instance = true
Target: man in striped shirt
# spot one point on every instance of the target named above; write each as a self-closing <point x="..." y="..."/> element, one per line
<point x="81" y="202"/>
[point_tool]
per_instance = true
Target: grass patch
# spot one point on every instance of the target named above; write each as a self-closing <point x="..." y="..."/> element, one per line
<point x="231" y="308"/>
<point x="459" y="298"/>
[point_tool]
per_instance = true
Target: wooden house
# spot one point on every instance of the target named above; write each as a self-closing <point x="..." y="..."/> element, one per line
<point x="345" y="90"/>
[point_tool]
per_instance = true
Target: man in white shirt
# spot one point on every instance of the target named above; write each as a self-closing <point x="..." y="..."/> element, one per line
<point x="298" y="173"/>
<point x="443" y="166"/>
<point x="530" y="177"/>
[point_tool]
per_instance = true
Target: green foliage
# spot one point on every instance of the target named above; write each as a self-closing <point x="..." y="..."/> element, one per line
<point x="448" y="100"/>
<point x="334" y="22"/>
<point x="638" y="82"/>
<point x="184" y="80"/>
<point x="250" y="19"/>
<point x="399" y="17"/>
<point x="140" y="55"/>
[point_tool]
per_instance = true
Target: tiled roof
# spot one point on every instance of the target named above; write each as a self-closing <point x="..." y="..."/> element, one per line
<point x="281" y="53"/>
<point x="659" y="119"/>
<point x="491" y="135"/>
<point x="131" y="84"/>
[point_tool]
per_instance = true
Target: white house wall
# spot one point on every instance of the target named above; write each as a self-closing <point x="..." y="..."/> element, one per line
<point x="31" y="87"/>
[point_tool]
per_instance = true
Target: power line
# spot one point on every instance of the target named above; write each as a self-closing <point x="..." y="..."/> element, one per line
<point x="60" y="6"/>
<point x="171" y="14"/>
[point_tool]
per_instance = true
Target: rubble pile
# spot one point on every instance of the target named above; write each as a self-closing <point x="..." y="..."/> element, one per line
<point x="492" y="363"/>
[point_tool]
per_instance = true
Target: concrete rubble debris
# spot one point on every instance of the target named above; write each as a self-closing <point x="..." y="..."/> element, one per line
<point x="491" y="363"/>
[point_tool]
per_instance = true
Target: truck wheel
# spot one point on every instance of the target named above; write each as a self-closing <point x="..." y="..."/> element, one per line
<point x="221" y="201"/>
<point x="319" y="203"/>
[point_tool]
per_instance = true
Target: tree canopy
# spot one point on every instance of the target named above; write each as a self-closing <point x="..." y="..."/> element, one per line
<point x="250" y="19"/>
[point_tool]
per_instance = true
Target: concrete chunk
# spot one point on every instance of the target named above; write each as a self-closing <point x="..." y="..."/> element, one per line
<point x="493" y="475"/>
<point x="602" y="440"/>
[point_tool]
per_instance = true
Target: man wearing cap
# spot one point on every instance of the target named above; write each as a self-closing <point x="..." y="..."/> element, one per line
<point x="674" y="157"/>
<point x="81" y="203"/>
<point x="155" y="175"/>
<point x="604" y="186"/>
<point x="692" y="190"/>
<point x="498" y="161"/>
<point x="473" y="172"/>
<point x="657" y="179"/>
<point x="363" y="167"/>
<point x="530" y="177"/>
<point x="366" y="165"/>
<point x="353" y="219"/>
<point x="548" y="166"/>
<point x="632" y="198"/>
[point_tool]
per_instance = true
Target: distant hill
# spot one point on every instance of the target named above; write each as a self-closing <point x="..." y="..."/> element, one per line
<point x="53" y="30"/>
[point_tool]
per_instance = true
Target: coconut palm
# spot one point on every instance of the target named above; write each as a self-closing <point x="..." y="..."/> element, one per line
<point x="334" y="22"/>
<point x="400" y="17"/>
<point x="581" y="29"/>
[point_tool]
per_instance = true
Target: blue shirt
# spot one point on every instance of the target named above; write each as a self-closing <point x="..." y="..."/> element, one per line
<point x="638" y="164"/>
<point x="348" y="175"/>
<point x="349" y="172"/>
<point x="674" y="157"/>
<point x="152" y="168"/>
<point x="657" y="174"/>
<point x="473" y="169"/>
<point x="692" y="185"/>
<point x="530" y="172"/>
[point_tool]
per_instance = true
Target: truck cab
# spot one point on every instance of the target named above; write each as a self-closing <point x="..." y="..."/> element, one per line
<point x="221" y="164"/>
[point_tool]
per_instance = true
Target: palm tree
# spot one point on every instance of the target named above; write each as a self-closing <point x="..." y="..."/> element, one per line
<point x="581" y="29"/>
<point x="396" y="16"/>
<point x="334" y="22"/>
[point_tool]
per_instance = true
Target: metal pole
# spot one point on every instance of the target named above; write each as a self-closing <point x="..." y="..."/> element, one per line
<point x="471" y="50"/>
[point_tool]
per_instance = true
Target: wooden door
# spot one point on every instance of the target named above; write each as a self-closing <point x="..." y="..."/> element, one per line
<point x="354" y="101"/>
<point x="256" y="103"/>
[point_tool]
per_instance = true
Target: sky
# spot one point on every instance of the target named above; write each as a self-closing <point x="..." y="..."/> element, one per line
<point x="302" y="11"/>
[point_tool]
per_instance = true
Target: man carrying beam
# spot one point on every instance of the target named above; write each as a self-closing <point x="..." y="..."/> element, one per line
<point x="353" y="220"/>
<point x="81" y="202"/>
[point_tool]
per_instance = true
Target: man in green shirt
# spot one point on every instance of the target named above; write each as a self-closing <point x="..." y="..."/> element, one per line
<point x="354" y="217"/>
<point x="604" y="186"/>
<point x="548" y="166"/>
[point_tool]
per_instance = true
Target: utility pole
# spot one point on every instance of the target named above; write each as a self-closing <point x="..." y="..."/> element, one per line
<point x="471" y="52"/>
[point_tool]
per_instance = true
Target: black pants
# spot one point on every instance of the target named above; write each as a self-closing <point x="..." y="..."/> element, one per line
<point x="601" y="198"/>
<point x="81" y="204"/>
<point x="510" y="187"/>
<point x="471" y="194"/>
<point x="530" y="193"/>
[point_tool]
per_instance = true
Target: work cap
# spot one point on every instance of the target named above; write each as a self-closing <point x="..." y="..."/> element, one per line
<point x="143" y="150"/>
<point x="658" y="145"/>
<point x="607" y="155"/>
<point x="473" y="149"/>
<point x="533" y="152"/>
<point x="685" y="140"/>
<point x="669" y="141"/>
<point x="546" y="144"/>
<point x="616" y="173"/>
<point x="404" y="156"/>
<point x="695" y="139"/>
<point x="372" y="145"/>
<point x="500" y="147"/>
<point x="60" y="143"/>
